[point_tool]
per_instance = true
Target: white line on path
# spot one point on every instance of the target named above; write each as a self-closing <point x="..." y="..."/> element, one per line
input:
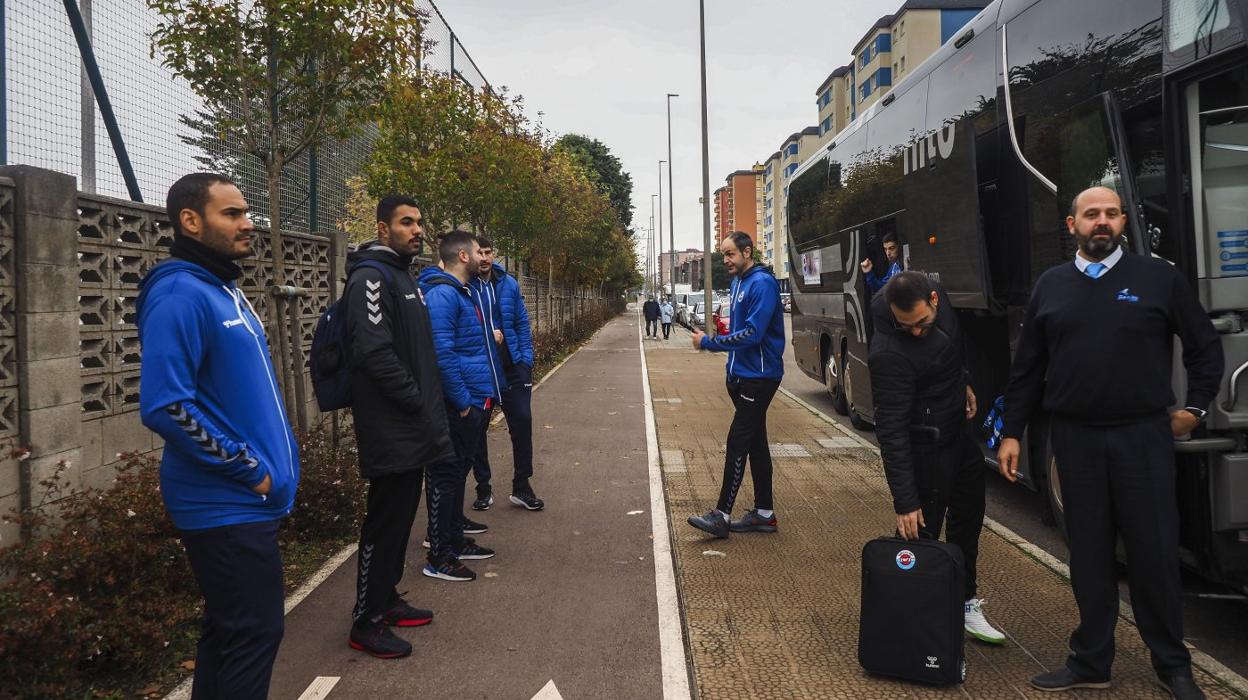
<point x="320" y="688"/>
<point x="548" y="692"/>
<point x="183" y="691"/>
<point x="1200" y="659"/>
<point x="671" y="633"/>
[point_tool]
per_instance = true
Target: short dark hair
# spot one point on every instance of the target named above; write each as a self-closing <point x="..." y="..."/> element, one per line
<point x="453" y="242"/>
<point x="387" y="205"/>
<point x="890" y="238"/>
<point x="484" y="241"/>
<point x="906" y="289"/>
<point x="742" y="240"/>
<point x="191" y="192"/>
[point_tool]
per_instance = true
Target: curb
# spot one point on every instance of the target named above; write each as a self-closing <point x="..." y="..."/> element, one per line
<point x="1200" y="659"/>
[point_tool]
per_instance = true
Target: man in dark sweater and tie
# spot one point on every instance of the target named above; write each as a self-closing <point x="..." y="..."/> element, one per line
<point x="1096" y="352"/>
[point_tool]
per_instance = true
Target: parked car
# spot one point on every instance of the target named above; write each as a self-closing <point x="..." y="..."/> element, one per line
<point x="697" y="317"/>
<point x="723" y="312"/>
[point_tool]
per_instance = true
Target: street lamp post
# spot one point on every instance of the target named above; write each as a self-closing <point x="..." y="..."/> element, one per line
<point x="659" y="260"/>
<point x="706" y="180"/>
<point x="671" y="194"/>
<point x="650" y="259"/>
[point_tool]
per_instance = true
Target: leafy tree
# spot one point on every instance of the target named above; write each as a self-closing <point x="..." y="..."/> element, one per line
<point x="606" y="171"/>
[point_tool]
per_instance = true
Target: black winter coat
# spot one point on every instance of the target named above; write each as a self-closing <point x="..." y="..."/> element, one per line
<point x="650" y="310"/>
<point x="915" y="382"/>
<point x="396" y="393"/>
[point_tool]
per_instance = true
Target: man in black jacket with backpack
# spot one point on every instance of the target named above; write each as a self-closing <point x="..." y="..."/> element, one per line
<point x="922" y="405"/>
<point x="399" y="418"/>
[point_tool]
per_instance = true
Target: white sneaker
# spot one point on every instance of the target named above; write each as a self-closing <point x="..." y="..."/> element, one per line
<point x="977" y="625"/>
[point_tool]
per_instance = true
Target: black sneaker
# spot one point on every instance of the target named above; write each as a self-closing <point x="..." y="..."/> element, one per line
<point x="483" y="502"/>
<point x="472" y="550"/>
<point x="403" y="615"/>
<point x="375" y="638"/>
<point x="426" y="544"/>
<point x="471" y="527"/>
<point x="448" y="570"/>
<point x="1182" y="688"/>
<point x="1064" y="679"/>
<point x="753" y="522"/>
<point x="713" y="523"/>
<point x="527" y="501"/>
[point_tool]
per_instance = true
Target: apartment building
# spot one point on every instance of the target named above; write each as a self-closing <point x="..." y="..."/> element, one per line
<point x="890" y="49"/>
<point x="735" y="205"/>
<point x="682" y="262"/>
<point x="769" y="183"/>
<point x="793" y="152"/>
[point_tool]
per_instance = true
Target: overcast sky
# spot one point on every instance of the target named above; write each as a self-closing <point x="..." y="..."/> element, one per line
<point x="602" y="68"/>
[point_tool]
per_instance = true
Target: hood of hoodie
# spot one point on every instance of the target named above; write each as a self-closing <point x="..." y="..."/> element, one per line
<point x="173" y="266"/>
<point x="434" y="275"/>
<point x="375" y="251"/>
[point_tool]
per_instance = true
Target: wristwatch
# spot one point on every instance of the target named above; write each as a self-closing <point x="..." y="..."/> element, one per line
<point x="1199" y="413"/>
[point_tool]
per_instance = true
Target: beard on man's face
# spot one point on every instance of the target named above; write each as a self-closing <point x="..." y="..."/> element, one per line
<point x="1101" y="242"/>
<point x="227" y="243"/>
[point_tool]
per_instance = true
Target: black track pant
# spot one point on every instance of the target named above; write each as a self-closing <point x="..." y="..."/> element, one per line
<point x="239" y="572"/>
<point x="747" y="439"/>
<point x="1118" y="481"/>
<point x="652" y="327"/>
<point x="667" y="329"/>
<point x="448" y="481"/>
<point x="391" y="510"/>
<point x="951" y="494"/>
<point x="517" y="406"/>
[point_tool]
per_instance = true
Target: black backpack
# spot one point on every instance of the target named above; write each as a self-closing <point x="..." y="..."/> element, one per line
<point x="331" y="351"/>
<point x="912" y="611"/>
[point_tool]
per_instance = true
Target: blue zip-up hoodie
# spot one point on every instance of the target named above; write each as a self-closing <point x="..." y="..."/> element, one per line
<point x="510" y="314"/>
<point x="208" y="388"/>
<point x="755" y="340"/>
<point x="468" y="358"/>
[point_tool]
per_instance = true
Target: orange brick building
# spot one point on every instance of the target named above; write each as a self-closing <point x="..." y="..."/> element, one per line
<point x="736" y="205"/>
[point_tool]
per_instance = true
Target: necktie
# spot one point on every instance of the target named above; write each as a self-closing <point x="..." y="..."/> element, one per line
<point x="1095" y="270"/>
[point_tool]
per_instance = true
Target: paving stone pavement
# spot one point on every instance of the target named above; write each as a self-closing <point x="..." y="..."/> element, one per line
<point x="776" y="616"/>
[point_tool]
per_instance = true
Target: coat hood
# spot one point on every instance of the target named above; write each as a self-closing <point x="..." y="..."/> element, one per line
<point x="434" y="275"/>
<point x="174" y="266"/>
<point x="375" y="251"/>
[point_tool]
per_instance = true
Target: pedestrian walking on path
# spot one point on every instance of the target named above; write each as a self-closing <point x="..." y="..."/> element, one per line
<point x="1096" y="351"/>
<point x="666" y="311"/>
<point x="498" y="294"/>
<point x="230" y="465"/>
<point x="469" y="365"/>
<point x="651" y="311"/>
<point x="923" y="401"/>
<point x="399" y="418"/>
<point x="755" y="347"/>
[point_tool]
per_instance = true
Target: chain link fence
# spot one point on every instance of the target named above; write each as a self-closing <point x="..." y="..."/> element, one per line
<point x="52" y="120"/>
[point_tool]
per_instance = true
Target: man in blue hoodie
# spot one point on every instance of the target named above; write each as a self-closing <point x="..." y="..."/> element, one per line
<point x="499" y="296"/>
<point x="755" y="347"/>
<point x="472" y="382"/>
<point x="230" y="464"/>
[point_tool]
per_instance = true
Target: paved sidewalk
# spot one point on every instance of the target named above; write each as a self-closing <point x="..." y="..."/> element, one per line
<point x="570" y="598"/>
<point x="776" y="616"/>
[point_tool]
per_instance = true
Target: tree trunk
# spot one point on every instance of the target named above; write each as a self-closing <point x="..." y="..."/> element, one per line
<point x="277" y="329"/>
<point x="550" y="288"/>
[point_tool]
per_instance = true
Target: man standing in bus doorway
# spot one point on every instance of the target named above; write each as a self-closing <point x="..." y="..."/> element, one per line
<point x="1096" y="351"/>
<point x="755" y="347"/>
<point x="891" y="250"/>
<point x="923" y="401"/>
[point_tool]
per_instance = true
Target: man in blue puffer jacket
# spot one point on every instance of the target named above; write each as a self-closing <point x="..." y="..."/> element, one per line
<point x="499" y="294"/>
<point x="472" y="382"/>
<point x="755" y="347"/>
<point x="230" y="465"/>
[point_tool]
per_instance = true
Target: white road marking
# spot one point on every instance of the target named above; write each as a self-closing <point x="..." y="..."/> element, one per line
<point x="788" y="449"/>
<point x="320" y="688"/>
<point x="548" y="692"/>
<point x="671" y="632"/>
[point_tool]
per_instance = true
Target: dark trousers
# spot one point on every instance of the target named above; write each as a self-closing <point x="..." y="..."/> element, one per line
<point x="239" y="572"/>
<point x="1118" y="481"/>
<point x="448" y="480"/>
<point x="667" y="329"/>
<point x="747" y="438"/>
<point x="652" y="327"/>
<point x="950" y="479"/>
<point x="518" y="408"/>
<point x="391" y="511"/>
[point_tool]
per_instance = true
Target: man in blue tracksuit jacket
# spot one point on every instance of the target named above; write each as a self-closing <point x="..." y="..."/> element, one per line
<point x="755" y="347"/>
<point x="230" y="464"/>
<point x="472" y="382"/>
<point x="499" y="295"/>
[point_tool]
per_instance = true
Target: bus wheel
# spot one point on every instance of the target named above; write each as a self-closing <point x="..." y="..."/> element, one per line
<point x="832" y="381"/>
<point x="855" y="420"/>
<point x="1053" y="486"/>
